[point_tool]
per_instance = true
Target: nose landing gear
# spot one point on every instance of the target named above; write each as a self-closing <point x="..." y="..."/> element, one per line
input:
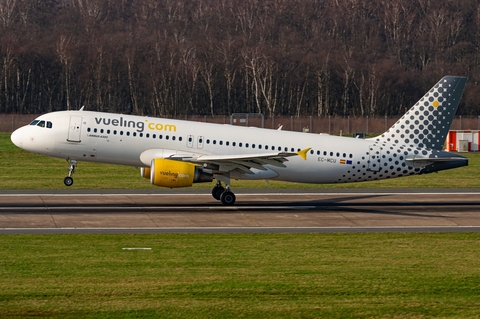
<point x="68" y="181"/>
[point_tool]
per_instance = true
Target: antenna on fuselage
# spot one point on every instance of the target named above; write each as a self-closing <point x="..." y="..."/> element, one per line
<point x="81" y="109"/>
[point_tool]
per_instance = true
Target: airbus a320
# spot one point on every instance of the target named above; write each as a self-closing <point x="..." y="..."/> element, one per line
<point x="174" y="153"/>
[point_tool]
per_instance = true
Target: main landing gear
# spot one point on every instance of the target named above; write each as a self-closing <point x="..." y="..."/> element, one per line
<point x="223" y="194"/>
<point x="68" y="181"/>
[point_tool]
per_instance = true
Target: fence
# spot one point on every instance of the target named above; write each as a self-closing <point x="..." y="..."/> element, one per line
<point x="335" y="125"/>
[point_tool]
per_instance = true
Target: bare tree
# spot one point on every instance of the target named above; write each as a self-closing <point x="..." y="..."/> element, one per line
<point x="8" y="12"/>
<point x="64" y="48"/>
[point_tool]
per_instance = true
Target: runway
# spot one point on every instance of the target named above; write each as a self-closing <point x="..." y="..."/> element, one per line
<point x="195" y="211"/>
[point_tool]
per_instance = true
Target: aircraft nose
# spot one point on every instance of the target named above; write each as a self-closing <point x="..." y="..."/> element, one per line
<point x="17" y="138"/>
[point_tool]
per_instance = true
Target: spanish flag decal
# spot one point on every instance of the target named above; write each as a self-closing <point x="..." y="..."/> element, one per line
<point x="348" y="162"/>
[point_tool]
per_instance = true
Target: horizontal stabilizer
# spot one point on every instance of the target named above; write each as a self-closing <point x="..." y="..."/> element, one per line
<point x="424" y="161"/>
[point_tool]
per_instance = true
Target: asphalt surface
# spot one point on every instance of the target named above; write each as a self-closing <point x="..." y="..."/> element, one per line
<point x="272" y="211"/>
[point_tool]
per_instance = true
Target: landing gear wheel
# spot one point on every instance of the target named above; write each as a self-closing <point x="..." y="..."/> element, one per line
<point x="68" y="181"/>
<point x="217" y="192"/>
<point x="227" y="198"/>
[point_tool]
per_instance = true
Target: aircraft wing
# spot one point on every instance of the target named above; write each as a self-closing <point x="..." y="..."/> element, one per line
<point x="244" y="162"/>
<point x="228" y="163"/>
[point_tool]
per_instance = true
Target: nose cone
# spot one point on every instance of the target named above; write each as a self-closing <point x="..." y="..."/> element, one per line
<point x="17" y="138"/>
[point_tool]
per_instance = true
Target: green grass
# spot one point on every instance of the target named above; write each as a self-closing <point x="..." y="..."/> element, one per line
<point x="241" y="276"/>
<point x="232" y="276"/>
<point x="24" y="170"/>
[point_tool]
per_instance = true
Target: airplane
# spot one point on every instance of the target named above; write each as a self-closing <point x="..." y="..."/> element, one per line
<point x="175" y="153"/>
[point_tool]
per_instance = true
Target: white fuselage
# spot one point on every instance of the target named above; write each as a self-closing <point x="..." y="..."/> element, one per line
<point x="121" y="139"/>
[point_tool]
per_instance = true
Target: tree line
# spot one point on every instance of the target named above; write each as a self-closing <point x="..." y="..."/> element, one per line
<point x="215" y="57"/>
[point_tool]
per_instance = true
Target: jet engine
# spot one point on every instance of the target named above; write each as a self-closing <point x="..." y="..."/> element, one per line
<point x="145" y="172"/>
<point x="174" y="174"/>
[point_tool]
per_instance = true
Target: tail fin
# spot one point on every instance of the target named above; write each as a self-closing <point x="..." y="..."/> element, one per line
<point x="427" y="123"/>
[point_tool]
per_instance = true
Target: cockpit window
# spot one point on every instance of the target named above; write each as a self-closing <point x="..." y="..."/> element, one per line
<point x="40" y="123"/>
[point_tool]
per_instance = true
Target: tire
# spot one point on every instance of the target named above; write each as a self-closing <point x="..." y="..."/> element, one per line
<point x="217" y="192"/>
<point x="228" y="198"/>
<point x="68" y="181"/>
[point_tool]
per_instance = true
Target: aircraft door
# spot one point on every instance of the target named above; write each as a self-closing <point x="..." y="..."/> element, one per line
<point x="200" y="142"/>
<point x="374" y="160"/>
<point x="190" y="139"/>
<point x="75" y="129"/>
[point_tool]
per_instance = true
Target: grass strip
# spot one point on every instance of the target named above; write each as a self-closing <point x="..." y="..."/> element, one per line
<point x="241" y="276"/>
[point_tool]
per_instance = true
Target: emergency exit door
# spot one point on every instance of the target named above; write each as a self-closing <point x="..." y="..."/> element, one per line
<point x="374" y="160"/>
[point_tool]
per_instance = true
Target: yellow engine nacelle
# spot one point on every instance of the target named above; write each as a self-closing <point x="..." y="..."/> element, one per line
<point x="173" y="174"/>
<point x="145" y="172"/>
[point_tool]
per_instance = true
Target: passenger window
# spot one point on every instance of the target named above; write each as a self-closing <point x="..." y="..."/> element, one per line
<point x="246" y="145"/>
<point x="173" y="138"/>
<point x="234" y="144"/>
<point x="128" y="133"/>
<point x="89" y="129"/>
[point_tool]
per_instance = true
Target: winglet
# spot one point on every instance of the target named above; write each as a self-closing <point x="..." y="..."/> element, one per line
<point x="303" y="153"/>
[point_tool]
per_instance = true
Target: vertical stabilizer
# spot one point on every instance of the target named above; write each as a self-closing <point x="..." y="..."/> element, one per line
<point x="427" y="123"/>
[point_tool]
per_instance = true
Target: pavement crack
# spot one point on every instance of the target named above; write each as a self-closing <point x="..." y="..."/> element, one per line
<point x="49" y="212"/>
